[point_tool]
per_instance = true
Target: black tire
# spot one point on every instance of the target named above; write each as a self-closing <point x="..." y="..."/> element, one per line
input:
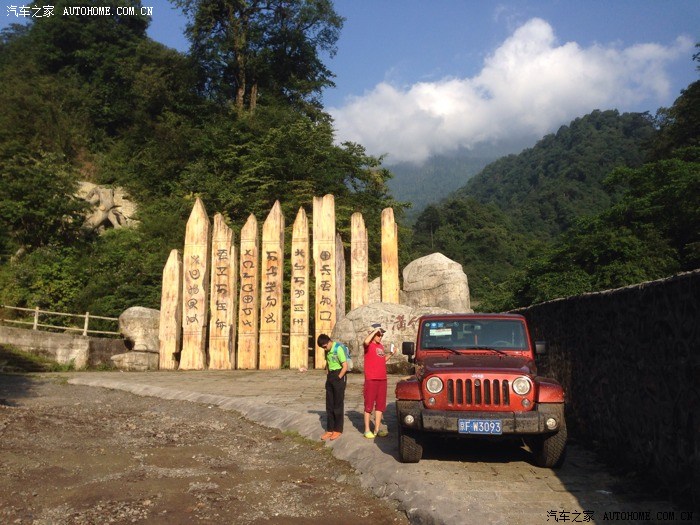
<point x="549" y="451"/>
<point x="410" y="446"/>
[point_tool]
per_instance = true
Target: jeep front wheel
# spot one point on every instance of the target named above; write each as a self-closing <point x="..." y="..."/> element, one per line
<point x="410" y="446"/>
<point x="549" y="451"/>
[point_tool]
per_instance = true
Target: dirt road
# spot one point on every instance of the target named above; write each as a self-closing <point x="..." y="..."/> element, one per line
<point x="79" y="455"/>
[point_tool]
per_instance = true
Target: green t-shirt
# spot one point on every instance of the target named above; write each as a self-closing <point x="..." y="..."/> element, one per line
<point x="336" y="356"/>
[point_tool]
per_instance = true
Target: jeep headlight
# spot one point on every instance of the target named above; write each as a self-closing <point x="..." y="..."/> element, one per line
<point x="521" y="386"/>
<point x="434" y="385"/>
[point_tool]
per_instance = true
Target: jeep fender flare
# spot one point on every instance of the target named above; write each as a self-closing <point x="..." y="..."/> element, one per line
<point x="409" y="389"/>
<point x="549" y="391"/>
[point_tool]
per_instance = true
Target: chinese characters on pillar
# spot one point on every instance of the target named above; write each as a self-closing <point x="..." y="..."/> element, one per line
<point x="195" y="290"/>
<point x="248" y="302"/>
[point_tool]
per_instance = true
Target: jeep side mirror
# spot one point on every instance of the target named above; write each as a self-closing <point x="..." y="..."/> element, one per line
<point x="540" y="347"/>
<point x="408" y="348"/>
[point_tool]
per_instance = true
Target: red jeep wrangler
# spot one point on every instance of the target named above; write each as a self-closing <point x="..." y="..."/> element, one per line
<point x="475" y="376"/>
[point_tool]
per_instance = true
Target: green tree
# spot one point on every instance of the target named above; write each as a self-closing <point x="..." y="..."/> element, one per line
<point x="247" y="49"/>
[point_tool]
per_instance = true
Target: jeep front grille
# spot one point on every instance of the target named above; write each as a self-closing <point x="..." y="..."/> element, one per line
<point x="478" y="392"/>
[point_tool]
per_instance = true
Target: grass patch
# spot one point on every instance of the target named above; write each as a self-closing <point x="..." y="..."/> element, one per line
<point x="15" y="361"/>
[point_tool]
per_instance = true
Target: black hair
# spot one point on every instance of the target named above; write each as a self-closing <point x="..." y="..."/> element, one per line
<point x="323" y="340"/>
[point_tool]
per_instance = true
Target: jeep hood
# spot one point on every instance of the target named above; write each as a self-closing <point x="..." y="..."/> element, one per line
<point x="483" y="363"/>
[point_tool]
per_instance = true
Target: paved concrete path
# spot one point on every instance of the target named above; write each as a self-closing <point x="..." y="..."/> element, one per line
<point x="457" y="482"/>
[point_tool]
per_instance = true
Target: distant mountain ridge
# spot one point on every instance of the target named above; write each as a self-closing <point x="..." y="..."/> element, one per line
<point x="435" y="179"/>
<point x="517" y="205"/>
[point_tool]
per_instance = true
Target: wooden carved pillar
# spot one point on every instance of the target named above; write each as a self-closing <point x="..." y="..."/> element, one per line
<point x="194" y="290"/>
<point x="339" y="278"/>
<point x="248" y="302"/>
<point x="299" y="294"/>
<point x="223" y="296"/>
<point x="390" y="258"/>
<point x="324" y="270"/>
<point x="272" y="259"/>
<point x="169" y="338"/>
<point x="359" y="262"/>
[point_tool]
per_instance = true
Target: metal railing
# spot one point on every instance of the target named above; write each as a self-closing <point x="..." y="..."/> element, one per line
<point x="36" y="324"/>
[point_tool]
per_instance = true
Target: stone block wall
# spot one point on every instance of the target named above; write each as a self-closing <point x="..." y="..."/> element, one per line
<point x="629" y="360"/>
<point x="64" y="348"/>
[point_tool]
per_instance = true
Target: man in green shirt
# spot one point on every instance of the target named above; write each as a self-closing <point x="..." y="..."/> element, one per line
<point x="337" y="367"/>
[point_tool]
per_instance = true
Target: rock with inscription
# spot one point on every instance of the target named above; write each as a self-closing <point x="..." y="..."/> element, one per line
<point x="139" y="326"/>
<point x="111" y="207"/>
<point x="437" y="281"/>
<point x="136" y="361"/>
<point x="399" y="321"/>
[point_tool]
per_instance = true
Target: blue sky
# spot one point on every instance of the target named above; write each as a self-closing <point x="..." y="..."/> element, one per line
<point x="417" y="77"/>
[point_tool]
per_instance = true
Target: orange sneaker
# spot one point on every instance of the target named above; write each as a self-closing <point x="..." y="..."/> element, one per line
<point x="336" y="435"/>
<point x="327" y="435"/>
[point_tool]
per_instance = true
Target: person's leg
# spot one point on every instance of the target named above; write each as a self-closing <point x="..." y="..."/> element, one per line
<point x="368" y="406"/>
<point x="330" y="415"/>
<point x="380" y="407"/>
<point x="338" y="386"/>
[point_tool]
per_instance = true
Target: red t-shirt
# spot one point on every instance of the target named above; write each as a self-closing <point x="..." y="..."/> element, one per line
<point x="375" y="362"/>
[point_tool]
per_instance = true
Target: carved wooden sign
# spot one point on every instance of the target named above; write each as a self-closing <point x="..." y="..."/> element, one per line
<point x="248" y="302"/>
<point x="390" y="258"/>
<point x="299" y="294"/>
<point x="222" y="302"/>
<point x="170" y="313"/>
<point x="324" y="270"/>
<point x="194" y="290"/>
<point x="359" y="262"/>
<point x="271" y="290"/>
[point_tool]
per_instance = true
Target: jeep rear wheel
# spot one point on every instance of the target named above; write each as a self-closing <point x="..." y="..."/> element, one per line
<point x="549" y="451"/>
<point x="410" y="446"/>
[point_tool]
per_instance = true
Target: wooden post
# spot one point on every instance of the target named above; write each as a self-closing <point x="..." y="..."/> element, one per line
<point x="222" y="302"/>
<point x="324" y="270"/>
<point x="271" y="290"/>
<point x="359" y="262"/>
<point x="170" y="327"/>
<point x="339" y="278"/>
<point x="299" y="294"/>
<point x="194" y="290"/>
<point x="248" y="302"/>
<point x="390" y="258"/>
<point x="87" y="322"/>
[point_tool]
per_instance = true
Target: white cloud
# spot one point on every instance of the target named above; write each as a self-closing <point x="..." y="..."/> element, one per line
<point x="527" y="87"/>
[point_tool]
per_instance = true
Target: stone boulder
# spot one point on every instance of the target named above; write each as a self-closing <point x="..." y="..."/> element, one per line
<point x="139" y="326"/>
<point x="437" y="281"/>
<point x="399" y="321"/>
<point x="136" y="361"/>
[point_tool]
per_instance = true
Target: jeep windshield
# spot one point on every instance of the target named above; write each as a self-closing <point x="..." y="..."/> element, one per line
<point x="473" y="334"/>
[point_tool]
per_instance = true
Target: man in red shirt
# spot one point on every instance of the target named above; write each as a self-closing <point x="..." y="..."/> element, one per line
<point x="375" y="380"/>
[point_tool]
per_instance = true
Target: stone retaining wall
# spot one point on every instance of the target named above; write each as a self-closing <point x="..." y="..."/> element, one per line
<point x="629" y="360"/>
<point x="66" y="348"/>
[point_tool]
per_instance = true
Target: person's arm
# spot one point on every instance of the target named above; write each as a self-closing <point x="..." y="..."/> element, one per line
<point x="369" y="337"/>
<point x="387" y="355"/>
<point x="343" y="370"/>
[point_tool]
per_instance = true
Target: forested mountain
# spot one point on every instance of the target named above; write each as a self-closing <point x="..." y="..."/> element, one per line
<point x="237" y="122"/>
<point x="580" y="211"/>
<point x="545" y="188"/>
<point x="422" y="184"/>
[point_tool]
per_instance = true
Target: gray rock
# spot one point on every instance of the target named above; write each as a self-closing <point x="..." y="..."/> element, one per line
<point x="139" y="326"/>
<point x="136" y="361"/>
<point x="399" y="321"/>
<point x="437" y="281"/>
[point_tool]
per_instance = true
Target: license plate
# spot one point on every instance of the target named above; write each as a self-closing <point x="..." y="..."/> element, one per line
<point x="480" y="426"/>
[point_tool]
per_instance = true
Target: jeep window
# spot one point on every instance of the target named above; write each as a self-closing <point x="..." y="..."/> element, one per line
<point x="464" y="334"/>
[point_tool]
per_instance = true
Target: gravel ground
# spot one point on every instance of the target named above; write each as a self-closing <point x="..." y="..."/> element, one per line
<point x="81" y="455"/>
